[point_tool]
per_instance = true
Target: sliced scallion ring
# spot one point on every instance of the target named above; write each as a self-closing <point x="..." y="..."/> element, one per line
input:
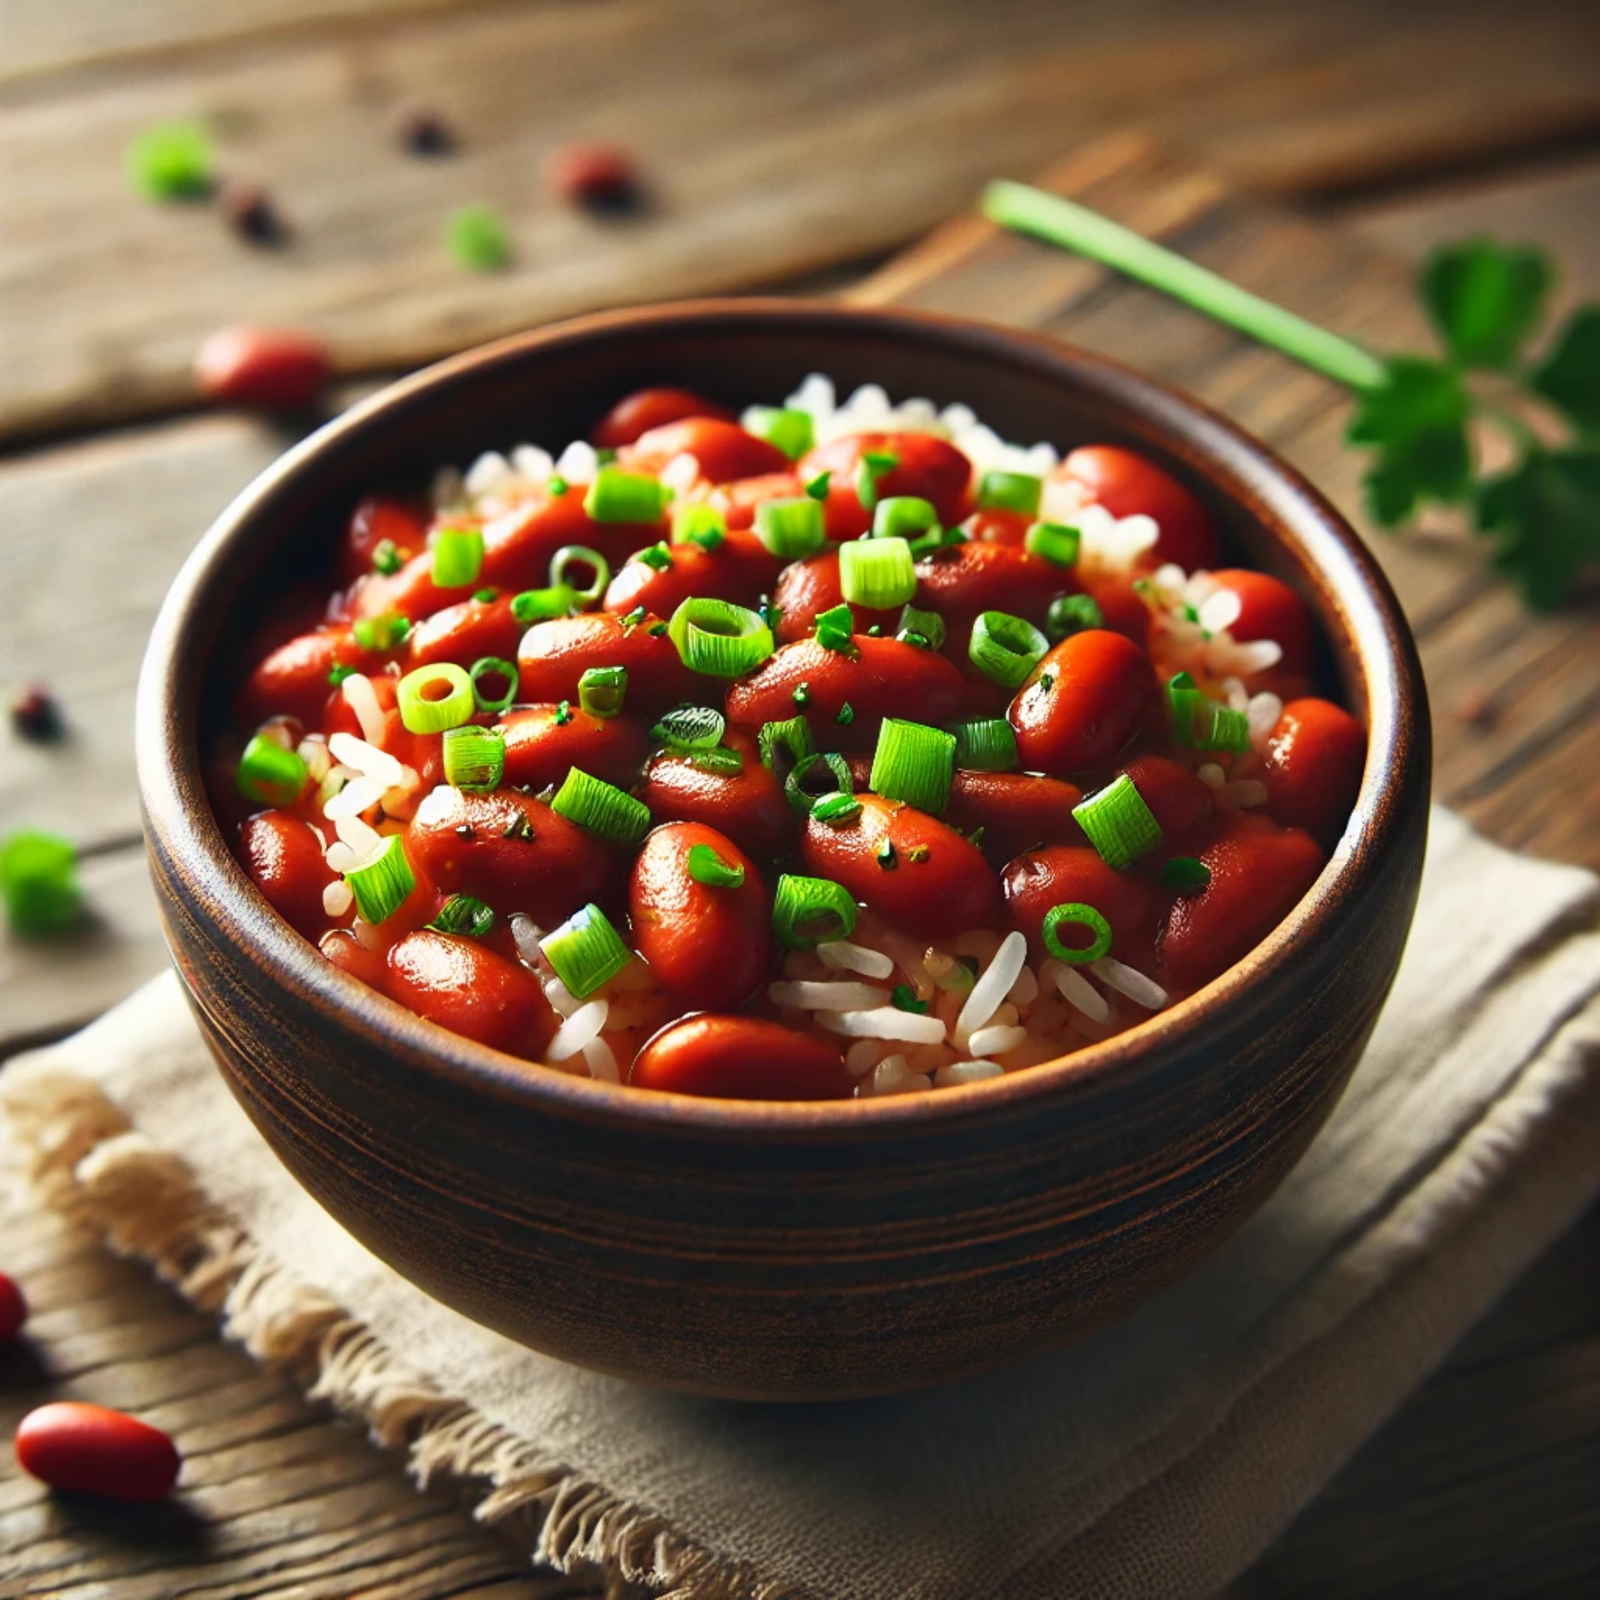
<point x="435" y="697"/>
<point x="1055" y="541"/>
<point x="618" y="496"/>
<point x="690" y="728"/>
<point x="488" y="668"/>
<point x="540" y="605"/>
<point x="903" y="516"/>
<point x="1070" y="614"/>
<point x="1076" y="914"/>
<point x="807" y="912"/>
<point x="269" y="774"/>
<point x="381" y="882"/>
<point x="601" y="807"/>
<point x="1010" y="491"/>
<point x="878" y="573"/>
<point x="836" y="809"/>
<point x="1006" y="648"/>
<point x="602" y="690"/>
<point x="462" y="914"/>
<point x="830" y="773"/>
<point x="913" y="763"/>
<point x="585" y="951"/>
<point x="707" y="867"/>
<point x="791" y="738"/>
<point x="791" y="528"/>
<point x="457" y="557"/>
<point x="571" y="558"/>
<point x="924" y="629"/>
<point x="718" y="638"/>
<point x="985" y="744"/>
<point x="474" y="757"/>
<point x="1118" y="822"/>
<point x="791" y="430"/>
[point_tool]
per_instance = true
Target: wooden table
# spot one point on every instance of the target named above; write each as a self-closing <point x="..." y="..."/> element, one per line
<point x="795" y="148"/>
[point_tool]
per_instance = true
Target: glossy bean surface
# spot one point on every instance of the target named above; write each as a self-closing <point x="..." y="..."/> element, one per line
<point x="90" y="1449"/>
<point x="741" y="1058"/>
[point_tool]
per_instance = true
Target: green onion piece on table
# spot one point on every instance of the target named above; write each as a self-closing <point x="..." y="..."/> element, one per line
<point x="269" y="774"/>
<point x="39" y="882"/>
<point x="1006" y="648"/>
<point x="718" y="638"/>
<point x="830" y="773"/>
<point x="382" y="882"/>
<point x="878" y="573"/>
<point x="791" y="528"/>
<point x="1055" y="541"/>
<point x="1070" y="614"/>
<point x="1010" y="491"/>
<point x="477" y="238"/>
<point x="586" y="951"/>
<point x="707" y="867"/>
<point x="690" y="728"/>
<point x="618" y="496"/>
<point x="381" y="633"/>
<point x="807" y="912"/>
<point x="487" y="668"/>
<point x="601" y="807"/>
<point x="572" y="559"/>
<point x="435" y="697"/>
<point x="985" y="744"/>
<point x="924" y="629"/>
<point x="1118" y="823"/>
<point x="464" y="915"/>
<point x="602" y="690"/>
<point x="540" y="605"/>
<point x="171" y="161"/>
<point x="457" y="557"/>
<point x="1185" y="875"/>
<point x="903" y="516"/>
<point x="474" y="757"/>
<point x="913" y="763"/>
<point x="702" y="525"/>
<point x="1076" y="915"/>
<point x="790" y="430"/>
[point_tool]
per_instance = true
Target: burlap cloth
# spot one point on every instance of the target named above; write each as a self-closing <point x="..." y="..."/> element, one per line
<point x="1155" y="1458"/>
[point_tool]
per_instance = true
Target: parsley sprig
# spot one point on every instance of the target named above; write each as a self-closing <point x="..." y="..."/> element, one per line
<point x="1421" y="415"/>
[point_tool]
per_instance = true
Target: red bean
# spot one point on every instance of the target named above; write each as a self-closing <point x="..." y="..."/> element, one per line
<point x="740" y="569"/>
<point x="601" y="176"/>
<point x="1312" y="767"/>
<point x="644" y="409"/>
<point x="517" y="551"/>
<point x="543" y="744"/>
<point x="1082" y="703"/>
<point x="998" y="527"/>
<point x="285" y="861"/>
<point x="1016" y="810"/>
<point x="747" y="805"/>
<point x="379" y="520"/>
<point x="1178" y="800"/>
<point x="741" y="1058"/>
<point x="961" y="580"/>
<point x="90" y="1449"/>
<point x="1270" y="609"/>
<point x="907" y="866"/>
<point x="808" y="588"/>
<point x="931" y="469"/>
<point x="1075" y="875"/>
<point x="884" y="678"/>
<point x="348" y="954"/>
<point x="1126" y="484"/>
<point x="737" y="500"/>
<point x="463" y="986"/>
<point x="293" y="680"/>
<point x="1259" y="871"/>
<point x="554" y="655"/>
<point x="13" y="1308"/>
<point x="723" y="450"/>
<point x="708" y="944"/>
<point x="272" y="369"/>
<point x="466" y="632"/>
<point x="478" y="844"/>
<point x="1123" y="610"/>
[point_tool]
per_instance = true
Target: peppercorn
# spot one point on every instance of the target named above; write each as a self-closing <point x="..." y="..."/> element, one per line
<point x="248" y="209"/>
<point x="424" y="131"/>
<point x="35" y="714"/>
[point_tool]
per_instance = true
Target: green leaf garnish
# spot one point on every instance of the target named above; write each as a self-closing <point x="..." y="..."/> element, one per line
<point x="1418" y="421"/>
<point x="1485" y="299"/>
<point x="1569" y="376"/>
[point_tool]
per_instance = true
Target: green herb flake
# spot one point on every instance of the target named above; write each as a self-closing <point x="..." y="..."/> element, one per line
<point x="846" y="715"/>
<point x="477" y="238"/>
<point x="563" y="714"/>
<point x="386" y="558"/>
<point x="557" y="485"/>
<point x="918" y="853"/>
<point x="885" y="855"/>
<point x="339" y="674"/>
<point x="802" y="694"/>
<point x="904" y="998"/>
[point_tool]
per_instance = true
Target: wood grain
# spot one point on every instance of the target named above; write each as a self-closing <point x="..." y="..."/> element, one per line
<point x="771" y="143"/>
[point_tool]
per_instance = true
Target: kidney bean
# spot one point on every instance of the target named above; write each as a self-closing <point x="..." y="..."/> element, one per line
<point x="517" y="550"/>
<point x="600" y="176"/>
<point x="1127" y="484"/>
<point x="1270" y="609"/>
<point x="375" y="521"/>
<point x="285" y="862"/>
<point x="1082" y="703"/>
<point x="1178" y="800"/>
<point x="554" y="655"/>
<point x="1016" y="810"/>
<point x="740" y="569"/>
<point x="997" y="526"/>
<point x="292" y="681"/>
<point x="962" y="580"/>
<point x="741" y="1058"/>
<point x="348" y="954"/>
<point x="1076" y="875"/>
<point x="710" y="945"/>
<point x="542" y="746"/>
<point x="637" y="413"/>
<point x="466" y="632"/>
<point x="808" y="588"/>
<point x="271" y="369"/>
<point x="36" y="714"/>
<point x="90" y="1449"/>
<point x="929" y="880"/>
<point x="1123" y="610"/>
<point x="465" y="987"/>
<point x="13" y="1308"/>
<point x="885" y="678"/>
<point x="737" y="500"/>
<point x="1312" y="768"/>
<point x="471" y="843"/>
<point x="1259" y="871"/>
<point x="930" y="468"/>
<point x="747" y="805"/>
<point x="723" y="450"/>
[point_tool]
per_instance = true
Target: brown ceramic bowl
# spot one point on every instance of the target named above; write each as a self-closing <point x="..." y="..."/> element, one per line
<point x="782" y="1250"/>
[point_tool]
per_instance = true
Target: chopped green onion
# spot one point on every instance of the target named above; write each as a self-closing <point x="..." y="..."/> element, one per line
<point x="936" y="539"/>
<point x="655" y="556"/>
<point x="985" y="744"/>
<point x="836" y="809"/>
<point x="386" y="558"/>
<point x="382" y="882"/>
<point x="494" y="667"/>
<point x="1054" y="541"/>
<point x="707" y="867"/>
<point x="457" y="557"/>
<point x="1118" y="822"/>
<point x="903" y="515"/>
<point x="690" y="728"/>
<point x="170" y="161"/>
<point x="702" y="525"/>
<point x="585" y="951"/>
<point x="601" y="807"/>
<point x="1229" y="730"/>
<point x="719" y="638"/>
<point x="381" y="633"/>
<point x="464" y="915"/>
<point x="269" y="774"/>
<point x="601" y="690"/>
<point x="477" y="238"/>
<point x="792" y="738"/>
<point x="605" y="455"/>
<point x="486" y="597"/>
<point x="1186" y="704"/>
<point x="1076" y="914"/>
<point x="877" y="572"/>
<point x="618" y="496"/>
<point x="1010" y="491"/>
<point x="580" y="555"/>
<point x="845" y="715"/>
<point x="540" y="605"/>
<point x="904" y="998"/>
<point x="874" y="464"/>
<point x="563" y="713"/>
<point x="801" y="694"/>
<point x="474" y="757"/>
<point x="556" y="485"/>
<point x="337" y="675"/>
<point x="1070" y="614"/>
<point x="914" y="763"/>
<point x="423" y="711"/>
<point x="817" y="487"/>
<point x="1199" y="723"/>
<point x="835" y="630"/>
<point x="832" y="772"/>
<point x="924" y="629"/>
<point x="726" y="763"/>
<point x="790" y="528"/>
<point x="807" y="912"/>
<point x="1006" y="648"/>
<point x="39" y="880"/>
<point x="1185" y="875"/>
<point x="792" y="431"/>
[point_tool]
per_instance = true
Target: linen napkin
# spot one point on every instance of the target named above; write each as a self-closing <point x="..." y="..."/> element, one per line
<point x="1156" y="1457"/>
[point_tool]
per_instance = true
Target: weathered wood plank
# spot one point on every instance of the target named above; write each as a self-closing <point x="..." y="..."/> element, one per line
<point x="772" y="144"/>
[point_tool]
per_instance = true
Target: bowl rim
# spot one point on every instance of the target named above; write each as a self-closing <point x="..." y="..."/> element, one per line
<point x="179" y="821"/>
